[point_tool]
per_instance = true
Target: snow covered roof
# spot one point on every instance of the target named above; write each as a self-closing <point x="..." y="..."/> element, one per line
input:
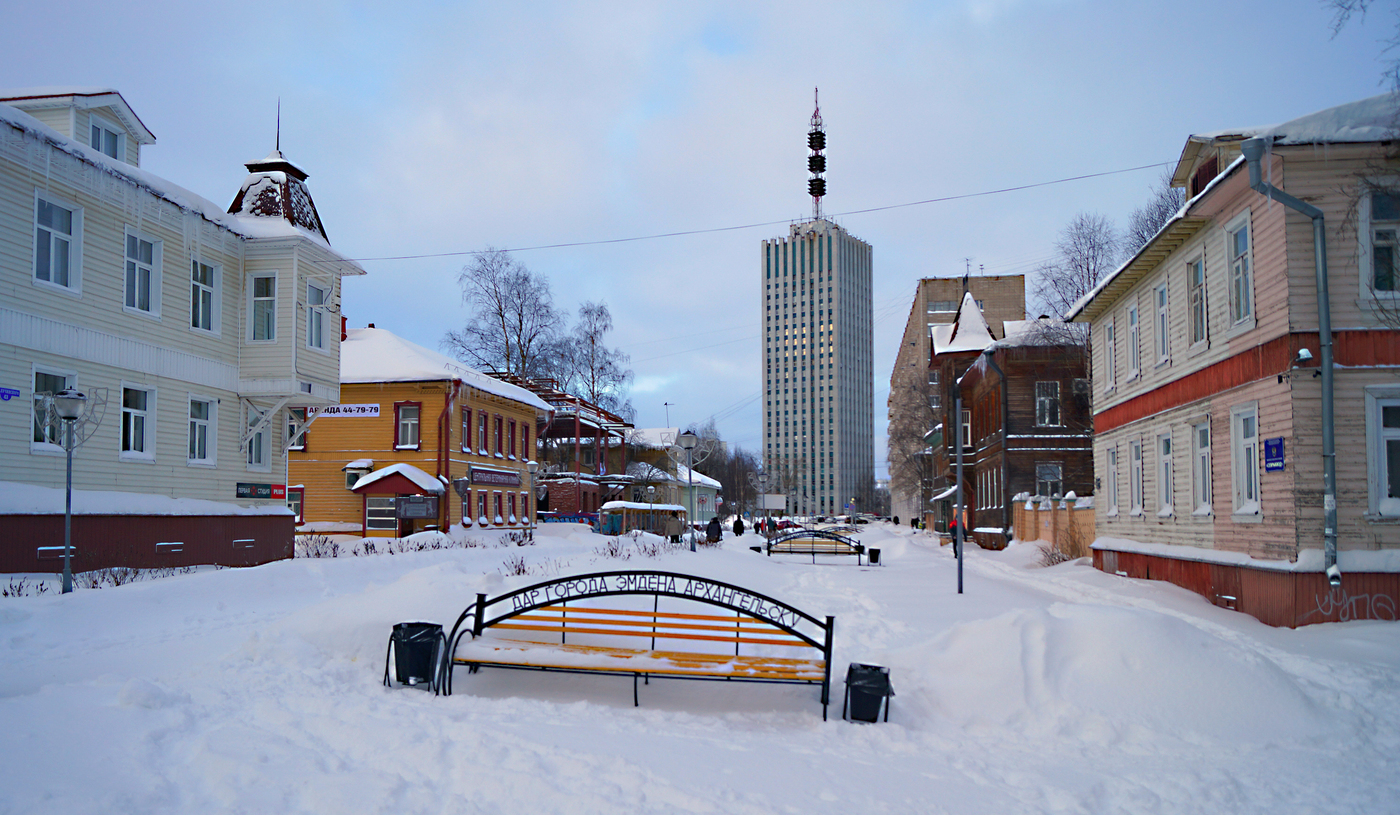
<point x="1365" y="120"/>
<point x="968" y="332"/>
<point x="1044" y="332"/>
<point x="420" y="479"/>
<point x="379" y="355"/>
<point x="701" y="480"/>
<point x="276" y="188"/>
<point x="642" y="471"/>
<point x="635" y="505"/>
<point x="658" y="437"/>
<point x="247" y="226"/>
<point x="84" y="97"/>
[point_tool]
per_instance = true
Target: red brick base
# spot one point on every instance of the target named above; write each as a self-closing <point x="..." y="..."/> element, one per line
<point x="34" y="543"/>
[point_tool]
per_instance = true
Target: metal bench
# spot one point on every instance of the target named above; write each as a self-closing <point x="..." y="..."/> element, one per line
<point x="706" y="630"/>
<point x="814" y="542"/>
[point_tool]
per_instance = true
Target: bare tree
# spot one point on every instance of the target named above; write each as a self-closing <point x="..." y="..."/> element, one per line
<point x="917" y="408"/>
<point x="1342" y="11"/>
<point x="1148" y="219"/>
<point x="595" y="371"/>
<point x="513" y="323"/>
<point x="1088" y="248"/>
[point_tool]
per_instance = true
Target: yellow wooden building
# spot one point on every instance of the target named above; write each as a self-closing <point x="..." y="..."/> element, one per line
<point x="419" y="441"/>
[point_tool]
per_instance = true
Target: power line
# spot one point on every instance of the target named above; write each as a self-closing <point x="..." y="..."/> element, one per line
<point x="712" y="230"/>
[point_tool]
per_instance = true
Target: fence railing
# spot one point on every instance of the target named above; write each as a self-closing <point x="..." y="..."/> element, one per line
<point x="1066" y="523"/>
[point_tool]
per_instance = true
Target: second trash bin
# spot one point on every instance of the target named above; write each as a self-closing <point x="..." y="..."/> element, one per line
<point x="416" y="648"/>
<point x="866" y="687"/>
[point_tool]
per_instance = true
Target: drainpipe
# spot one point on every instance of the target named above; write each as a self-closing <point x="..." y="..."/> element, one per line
<point x="1253" y="150"/>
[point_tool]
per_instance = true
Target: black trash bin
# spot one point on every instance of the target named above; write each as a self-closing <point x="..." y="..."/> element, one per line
<point x="417" y="648"/>
<point x="874" y="557"/>
<point x="866" y="687"/>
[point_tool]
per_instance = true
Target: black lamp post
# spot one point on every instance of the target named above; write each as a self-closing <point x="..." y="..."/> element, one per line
<point x="688" y="442"/>
<point x="69" y="405"/>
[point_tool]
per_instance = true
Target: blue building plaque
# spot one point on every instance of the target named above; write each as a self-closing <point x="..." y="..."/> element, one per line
<point x="1273" y="454"/>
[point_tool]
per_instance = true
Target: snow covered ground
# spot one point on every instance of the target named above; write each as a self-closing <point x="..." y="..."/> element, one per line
<point x="1038" y="690"/>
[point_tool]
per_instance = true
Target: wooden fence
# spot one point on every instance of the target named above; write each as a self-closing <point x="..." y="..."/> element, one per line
<point x="1069" y="530"/>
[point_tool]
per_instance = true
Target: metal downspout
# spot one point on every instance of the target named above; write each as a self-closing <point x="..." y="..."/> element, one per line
<point x="1253" y="150"/>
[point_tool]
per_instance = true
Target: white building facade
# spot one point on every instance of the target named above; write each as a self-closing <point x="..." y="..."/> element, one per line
<point x="818" y="417"/>
<point x="213" y="334"/>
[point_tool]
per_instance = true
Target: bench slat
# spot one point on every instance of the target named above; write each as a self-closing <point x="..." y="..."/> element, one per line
<point x="648" y="662"/>
<point x="574" y="618"/>
<point x="659" y="635"/>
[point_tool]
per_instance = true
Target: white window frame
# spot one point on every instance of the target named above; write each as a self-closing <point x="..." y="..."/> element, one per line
<point x="1165" y="473"/>
<point x="258" y="456"/>
<point x="147" y="416"/>
<point x="1244" y="462"/>
<point x="1197" y="310"/>
<point x="1379" y="397"/>
<point x="215" y="292"/>
<point x="966" y="428"/>
<point x="1045" y="402"/>
<point x="1366" y="238"/>
<point x="316" y="316"/>
<point x="1135" y="480"/>
<point x="1059" y="479"/>
<point x="402" y="423"/>
<point x="1134" y="342"/>
<point x="254" y="300"/>
<point x="296" y="441"/>
<point x="1162" y="326"/>
<point x="1111" y="466"/>
<point x="1201" y="467"/>
<point x="70" y="380"/>
<point x="131" y="274"/>
<point x="1240" y="273"/>
<point x="74" y="286"/>
<point x="1110" y="355"/>
<point x="107" y="126"/>
<point x="211" y="432"/>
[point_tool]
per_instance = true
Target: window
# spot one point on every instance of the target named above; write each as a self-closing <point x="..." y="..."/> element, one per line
<point x="525" y="507"/>
<point x="259" y="443"/>
<point x="142" y="273"/>
<point x="466" y="430"/>
<point x="935" y="389"/>
<point x="1049" y="478"/>
<point x="467" y="509"/>
<point x="1164" y="474"/>
<point x="497" y="500"/>
<point x="526" y="451"/>
<point x="967" y="428"/>
<point x="381" y="512"/>
<point x="49" y="436"/>
<point x="204" y="296"/>
<point x="510" y="444"/>
<point x="1200" y="467"/>
<point x="315" y="316"/>
<point x="1244" y="455"/>
<point x="106" y="138"/>
<point x="1134" y="343"/>
<point x="1110" y="356"/>
<point x="1196" y="286"/>
<point x="1162" y="325"/>
<point x="1047" y="404"/>
<point x="499" y="433"/>
<point x="203" y="423"/>
<point x="1383" y="450"/>
<point x="406" y="423"/>
<point x="296" y="417"/>
<point x="1241" y="281"/>
<point x="481" y="432"/>
<point x="264" y="308"/>
<point x="1135" y="476"/>
<point x="1112" y="481"/>
<point x="1385" y="222"/>
<point x="138" y="419"/>
<point x="296" y="501"/>
<point x="58" y="229"/>
<point x="481" y="508"/>
<point x="511" y="517"/>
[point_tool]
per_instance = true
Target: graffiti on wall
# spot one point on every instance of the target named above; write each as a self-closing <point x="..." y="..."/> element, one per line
<point x="1339" y="605"/>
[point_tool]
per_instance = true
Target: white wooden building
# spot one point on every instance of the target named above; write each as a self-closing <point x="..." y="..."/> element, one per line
<point x="213" y="332"/>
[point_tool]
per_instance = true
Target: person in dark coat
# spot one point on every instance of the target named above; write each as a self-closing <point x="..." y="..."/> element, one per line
<point x="896" y="520"/>
<point x="738" y="526"/>
<point x="712" y="530"/>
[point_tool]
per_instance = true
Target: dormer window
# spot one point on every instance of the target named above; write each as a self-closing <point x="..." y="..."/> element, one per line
<point x="107" y="139"/>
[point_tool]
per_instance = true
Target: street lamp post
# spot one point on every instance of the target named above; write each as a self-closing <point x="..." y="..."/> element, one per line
<point x="533" y="466"/>
<point x="688" y="442"/>
<point x="651" y="508"/>
<point x="69" y="405"/>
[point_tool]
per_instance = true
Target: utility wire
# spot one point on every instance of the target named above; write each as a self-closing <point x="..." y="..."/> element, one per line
<point x="712" y="230"/>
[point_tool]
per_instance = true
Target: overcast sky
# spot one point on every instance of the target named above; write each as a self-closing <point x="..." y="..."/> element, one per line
<point x="433" y="128"/>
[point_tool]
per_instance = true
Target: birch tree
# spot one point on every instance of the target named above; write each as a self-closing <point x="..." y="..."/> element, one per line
<point x="513" y="324"/>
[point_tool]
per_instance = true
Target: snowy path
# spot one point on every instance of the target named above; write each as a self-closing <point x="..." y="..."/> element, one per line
<point x="1057" y="690"/>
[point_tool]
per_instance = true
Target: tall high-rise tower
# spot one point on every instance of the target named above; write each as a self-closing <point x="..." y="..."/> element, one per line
<point x="818" y="391"/>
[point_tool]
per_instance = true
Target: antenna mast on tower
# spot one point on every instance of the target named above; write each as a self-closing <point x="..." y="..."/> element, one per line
<point x="816" y="162"/>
